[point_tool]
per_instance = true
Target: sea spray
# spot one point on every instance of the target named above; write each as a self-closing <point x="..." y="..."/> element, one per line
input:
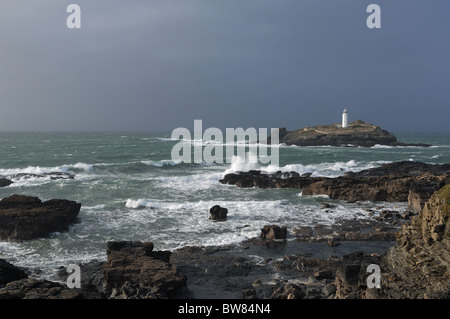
<point x="234" y="146"/>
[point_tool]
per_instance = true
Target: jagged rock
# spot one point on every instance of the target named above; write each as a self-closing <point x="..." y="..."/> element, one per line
<point x="274" y="232"/>
<point x="394" y="182"/>
<point x="421" y="258"/>
<point x="416" y="267"/>
<point x="289" y="291"/>
<point x="351" y="276"/>
<point x="265" y="180"/>
<point x="91" y="279"/>
<point x="26" y="217"/>
<point x="30" y="288"/>
<point x="218" y="213"/>
<point x="134" y="271"/>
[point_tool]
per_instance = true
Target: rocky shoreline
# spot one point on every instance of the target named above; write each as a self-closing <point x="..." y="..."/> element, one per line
<point x="412" y="182"/>
<point x="410" y="248"/>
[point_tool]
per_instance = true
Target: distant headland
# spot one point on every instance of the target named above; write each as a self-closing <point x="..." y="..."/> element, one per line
<point x="357" y="133"/>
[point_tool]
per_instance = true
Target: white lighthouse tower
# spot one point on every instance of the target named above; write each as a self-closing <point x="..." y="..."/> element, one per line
<point x="344" y="119"/>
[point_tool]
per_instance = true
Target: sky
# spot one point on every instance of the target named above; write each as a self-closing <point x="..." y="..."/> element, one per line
<point x="155" y="65"/>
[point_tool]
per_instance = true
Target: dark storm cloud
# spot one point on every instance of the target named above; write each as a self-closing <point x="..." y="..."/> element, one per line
<point x="157" y="65"/>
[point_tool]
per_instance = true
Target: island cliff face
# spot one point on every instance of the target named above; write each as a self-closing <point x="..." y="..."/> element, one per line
<point x="358" y="133"/>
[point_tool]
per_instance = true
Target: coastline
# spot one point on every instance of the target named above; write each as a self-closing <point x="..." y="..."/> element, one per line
<point x="257" y="268"/>
<point x="307" y="264"/>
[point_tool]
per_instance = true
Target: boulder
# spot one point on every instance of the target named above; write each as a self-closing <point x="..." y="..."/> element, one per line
<point x="273" y="232"/>
<point x="5" y="182"/>
<point x="218" y="213"/>
<point x="26" y="217"/>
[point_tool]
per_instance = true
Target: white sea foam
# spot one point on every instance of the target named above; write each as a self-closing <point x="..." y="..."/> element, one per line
<point x="140" y="203"/>
<point x="39" y="170"/>
<point x="326" y="169"/>
<point x="165" y="139"/>
<point x="162" y="163"/>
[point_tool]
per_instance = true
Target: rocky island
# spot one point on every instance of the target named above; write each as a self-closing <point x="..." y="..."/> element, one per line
<point x="358" y="133"/>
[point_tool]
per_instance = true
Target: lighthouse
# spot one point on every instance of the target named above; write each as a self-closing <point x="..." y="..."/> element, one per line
<point x="344" y="119"/>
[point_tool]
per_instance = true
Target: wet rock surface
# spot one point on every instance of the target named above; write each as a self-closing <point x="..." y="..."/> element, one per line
<point x="416" y="265"/>
<point x="218" y="213"/>
<point x="134" y="271"/>
<point x="27" y="217"/>
<point x="5" y="182"/>
<point x="412" y="182"/>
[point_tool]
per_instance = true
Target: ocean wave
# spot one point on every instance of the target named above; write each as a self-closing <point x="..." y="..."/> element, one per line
<point x="39" y="170"/>
<point x="166" y="139"/>
<point x="162" y="163"/>
<point x="140" y="203"/>
<point x="203" y="142"/>
<point x="385" y="146"/>
<point x="326" y="169"/>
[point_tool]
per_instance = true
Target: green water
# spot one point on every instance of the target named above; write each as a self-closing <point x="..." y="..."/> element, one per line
<point x="131" y="189"/>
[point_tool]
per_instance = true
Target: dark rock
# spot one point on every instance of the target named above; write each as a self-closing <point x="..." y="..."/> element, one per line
<point x="5" y="182"/>
<point x="134" y="271"/>
<point x="395" y="182"/>
<point x="323" y="274"/>
<point x="216" y="272"/>
<point x="407" y="215"/>
<point x="352" y="274"/>
<point x="289" y="291"/>
<point x="387" y="214"/>
<point x="30" y="288"/>
<point x="218" y="213"/>
<point x="9" y="272"/>
<point x="26" y="217"/>
<point x="416" y="267"/>
<point x="264" y="180"/>
<point x="274" y="232"/>
<point x="91" y="279"/>
<point x="51" y="175"/>
<point x="402" y="168"/>
<point x="332" y="243"/>
<point x="327" y="206"/>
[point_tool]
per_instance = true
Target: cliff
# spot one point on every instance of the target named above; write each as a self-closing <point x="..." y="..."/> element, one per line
<point x="358" y="133"/>
<point x="421" y="259"/>
<point x="418" y="266"/>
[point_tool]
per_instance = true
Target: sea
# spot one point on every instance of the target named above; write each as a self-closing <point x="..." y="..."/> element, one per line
<point x="130" y="188"/>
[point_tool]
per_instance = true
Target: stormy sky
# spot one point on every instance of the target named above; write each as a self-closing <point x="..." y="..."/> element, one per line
<point x="154" y="65"/>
